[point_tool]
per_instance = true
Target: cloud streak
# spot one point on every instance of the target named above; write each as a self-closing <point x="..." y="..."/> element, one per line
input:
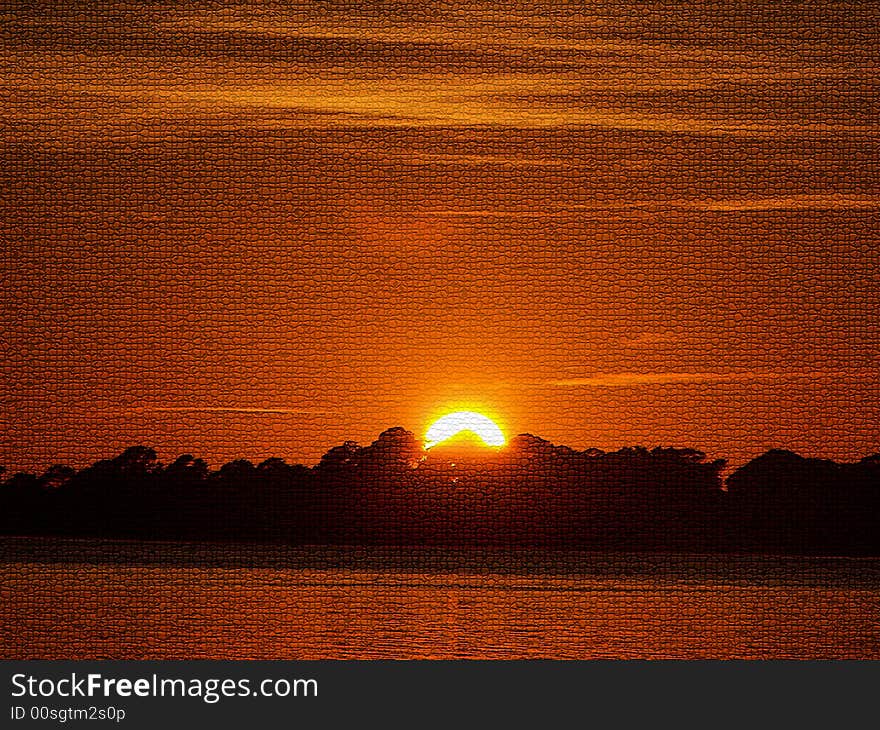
<point x="377" y="68"/>
<point x="817" y="202"/>
<point x="233" y="409"/>
<point x="631" y="380"/>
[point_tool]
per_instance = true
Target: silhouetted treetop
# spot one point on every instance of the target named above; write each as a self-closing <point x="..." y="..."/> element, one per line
<point x="529" y="492"/>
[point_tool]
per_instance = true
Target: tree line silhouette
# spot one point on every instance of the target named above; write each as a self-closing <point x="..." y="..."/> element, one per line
<point x="530" y="493"/>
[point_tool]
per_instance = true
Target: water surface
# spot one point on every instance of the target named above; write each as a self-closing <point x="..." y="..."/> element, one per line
<point x="124" y="600"/>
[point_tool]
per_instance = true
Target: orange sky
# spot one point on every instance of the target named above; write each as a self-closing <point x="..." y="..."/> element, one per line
<point x="244" y="231"/>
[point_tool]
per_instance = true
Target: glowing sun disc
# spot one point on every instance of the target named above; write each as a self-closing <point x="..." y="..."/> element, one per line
<point x="454" y="423"/>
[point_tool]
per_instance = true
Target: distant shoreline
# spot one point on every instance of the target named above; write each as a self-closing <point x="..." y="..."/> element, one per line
<point x="831" y="571"/>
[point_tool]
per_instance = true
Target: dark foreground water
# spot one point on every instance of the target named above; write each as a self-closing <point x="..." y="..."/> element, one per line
<point x="126" y="600"/>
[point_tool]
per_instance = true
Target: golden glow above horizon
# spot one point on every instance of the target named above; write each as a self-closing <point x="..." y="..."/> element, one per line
<point x="453" y="424"/>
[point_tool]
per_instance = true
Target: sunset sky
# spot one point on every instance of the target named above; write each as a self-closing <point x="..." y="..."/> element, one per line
<point x="254" y="230"/>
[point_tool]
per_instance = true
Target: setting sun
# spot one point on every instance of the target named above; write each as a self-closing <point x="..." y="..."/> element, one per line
<point x="455" y="423"/>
